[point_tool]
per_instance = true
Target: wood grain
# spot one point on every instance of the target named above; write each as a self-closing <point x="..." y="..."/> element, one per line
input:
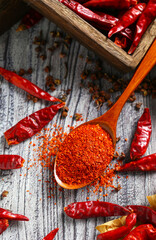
<point x="18" y="51"/>
<point x="92" y="38"/>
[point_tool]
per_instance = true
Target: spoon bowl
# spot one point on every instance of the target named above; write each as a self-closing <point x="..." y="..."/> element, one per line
<point x="108" y="121"/>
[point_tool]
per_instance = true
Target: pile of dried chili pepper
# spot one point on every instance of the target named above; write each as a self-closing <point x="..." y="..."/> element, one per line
<point x="127" y="19"/>
<point x="137" y="222"/>
<point x="84" y="155"/>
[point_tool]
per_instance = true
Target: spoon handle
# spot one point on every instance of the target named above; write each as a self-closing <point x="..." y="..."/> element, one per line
<point x="146" y="65"/>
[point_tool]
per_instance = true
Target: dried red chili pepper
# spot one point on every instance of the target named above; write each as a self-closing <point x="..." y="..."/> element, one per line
<point x="116" y="4"/>
<point x="106" y="21"/>
<point x="144" y="214"/>
<point x="27" y="86"/>
<point x="147" y="163"/>
<point x="126" y="32"/>
<point x="121" y="231"/>
<point x="51" y="235"/>
<point x="128" y="18"/>
<point x="6" y="214"/>
<point x="142" y="135"/>
<point x="29" y="20"/>
<point x="142" y="232"/>
<point x="32" y="124"/>
<point x="4" y="224"/>
<point x="11" y="162"/>
<point x="146" y="18"/>
<point x="89" y="209"/>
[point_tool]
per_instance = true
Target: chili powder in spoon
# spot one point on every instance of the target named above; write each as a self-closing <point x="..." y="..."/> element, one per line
<point x="84" y="155"/>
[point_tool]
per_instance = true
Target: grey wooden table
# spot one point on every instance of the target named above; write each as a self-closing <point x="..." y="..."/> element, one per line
<point x="29" y="196"/>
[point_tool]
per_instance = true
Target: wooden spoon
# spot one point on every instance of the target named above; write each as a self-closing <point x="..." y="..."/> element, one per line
<point x="108" y="120"/>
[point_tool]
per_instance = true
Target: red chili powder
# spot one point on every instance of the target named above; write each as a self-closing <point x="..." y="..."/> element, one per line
<point x="84" y="155"/>
<point x="51" y="143"/>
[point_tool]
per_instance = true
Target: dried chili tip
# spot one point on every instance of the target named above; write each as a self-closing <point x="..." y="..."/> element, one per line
<point x="52" y="234"/>
<point x="4" y="224"/>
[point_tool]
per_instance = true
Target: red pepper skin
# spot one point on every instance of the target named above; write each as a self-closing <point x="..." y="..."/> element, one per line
<point x="121" y="231"/>
<point x="142" y="136"/>
<point x="5" y="214"/>
<point x="126" y="32"/>
<point x="144" y="214"/>
<point x="128" y="18"/>
<point x="51" y="235"/>
<point x="4" y="224"/>
<point x="142" y="232"/>
<point x="106" y="21"/>
<point x="147" y="163"/>
<point x="89" y="209"/>
<point x="11" y="162"/>
<point x="29" y="20"/>
<point x="26" y="85"/>
<point x="32" y="124"/>
<point x="100" y="20"/>
<point x="146" y="18"/>
<point x="116" y="4"/>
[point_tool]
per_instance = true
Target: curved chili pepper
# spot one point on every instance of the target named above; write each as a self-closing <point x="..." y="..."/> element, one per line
<point x="147" y="163"/>
<point x="126" y="32"/>
<point x="32" y="124"/>
<point x="51" y="235"/>
<point x="121" y="231"/>
<point x="27" y="86"/>
<point x="142" y="232"/>
<point x="5" y="214"/>
<point x="29" y="20"/>
<point x="89" y="209"/>
<point x="144" y="214"/>
<point x="142" y="135"/>
<point x="117" y="4"/>
<point x="128" y="18"/>
<point x="143" y="22"/>
<point x="87" y="14"/>
<point x="11" y="162"/>
<point x="4" y="224"/>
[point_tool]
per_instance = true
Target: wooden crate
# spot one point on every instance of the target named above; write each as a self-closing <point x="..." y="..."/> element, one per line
<point x="10" y="12"/>
<point x="92" y="38"/>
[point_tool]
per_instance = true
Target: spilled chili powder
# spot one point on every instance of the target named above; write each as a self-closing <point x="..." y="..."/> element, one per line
<point x="50" y="142"/>
<point x="84" y="155"/>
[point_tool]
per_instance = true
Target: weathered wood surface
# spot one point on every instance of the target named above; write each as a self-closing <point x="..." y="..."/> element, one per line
<point x="91" y="37"/>
<point x="17" y="51"/>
